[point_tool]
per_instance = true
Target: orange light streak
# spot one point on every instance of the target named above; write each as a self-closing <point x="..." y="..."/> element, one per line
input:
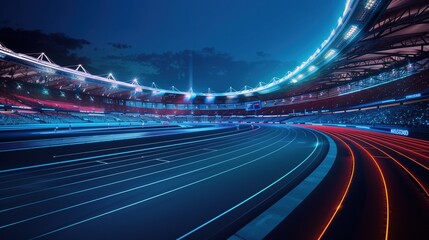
<point x="383" y="180"/>
<point x="388" y="143"/>
<point x="396" y="161"/>
<point x="345" y="192"/>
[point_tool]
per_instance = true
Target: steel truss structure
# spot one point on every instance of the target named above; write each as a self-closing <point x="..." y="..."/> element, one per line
<point x="393" y="33"/>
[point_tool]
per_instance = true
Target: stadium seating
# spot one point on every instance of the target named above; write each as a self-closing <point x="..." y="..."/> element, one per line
<point x="407" y="115"/>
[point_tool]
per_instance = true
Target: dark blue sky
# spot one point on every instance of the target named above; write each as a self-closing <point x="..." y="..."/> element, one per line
<point x="148" y="39"/>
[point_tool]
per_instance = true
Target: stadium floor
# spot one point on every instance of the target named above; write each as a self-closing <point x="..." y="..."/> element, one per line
<point x="158" y="187"/>
<point x="213" y="182"/>
<point x="378" y="188"/>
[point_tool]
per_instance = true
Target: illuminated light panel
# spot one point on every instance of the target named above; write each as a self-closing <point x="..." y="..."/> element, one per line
<point x="330" y="54"/>
<point x="189" y="96"/>
<point x="80" y="78"/>
<point x="311" y="68"/>
<point x="351" y="32"/>
<point x="294" y="80"/>
<point x="370" y="4"/>
<point x="210" y="98"/>
<point x="300" y="76"/>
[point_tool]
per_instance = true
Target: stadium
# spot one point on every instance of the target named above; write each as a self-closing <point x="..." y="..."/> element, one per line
<point x="337" y="148"/>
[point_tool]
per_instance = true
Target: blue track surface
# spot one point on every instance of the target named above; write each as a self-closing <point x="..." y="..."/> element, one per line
<point x="202" y="184"/>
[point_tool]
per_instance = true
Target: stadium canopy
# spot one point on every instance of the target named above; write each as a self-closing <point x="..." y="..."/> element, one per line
<point x="372" y="36"/>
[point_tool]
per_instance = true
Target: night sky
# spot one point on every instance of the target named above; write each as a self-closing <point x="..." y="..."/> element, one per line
<point x="229" y="42"/>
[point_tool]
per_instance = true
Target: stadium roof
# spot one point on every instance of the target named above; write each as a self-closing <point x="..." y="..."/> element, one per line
<point x="372" y="36"/>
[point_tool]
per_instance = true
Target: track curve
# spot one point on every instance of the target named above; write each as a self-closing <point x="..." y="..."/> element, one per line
<point x="198" y="186"/>
<point x="378" y="189"/>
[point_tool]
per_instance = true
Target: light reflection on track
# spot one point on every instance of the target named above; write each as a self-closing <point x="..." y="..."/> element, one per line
<point x="402" y="166"/>
<point x="172" y="181"/>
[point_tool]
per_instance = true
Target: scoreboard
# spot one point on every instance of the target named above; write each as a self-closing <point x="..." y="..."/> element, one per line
<point x="253" y="106"/>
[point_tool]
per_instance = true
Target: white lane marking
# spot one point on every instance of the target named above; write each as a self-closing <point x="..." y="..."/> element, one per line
<point x="161" y="194"/>
<point x="90" y="139"/>
<point x="263" y="224"/>
<point x="148" y="184"/>
<point x="254" y="195"/>
<point x="146" y="144"/>
<point x="110" y="168"/>
<point x="107" y="155"/>
<point x="162" y="160"/>
<point x="124" y="180"/>
<point x="82" y="163"/>
<point x="102" y="162"/>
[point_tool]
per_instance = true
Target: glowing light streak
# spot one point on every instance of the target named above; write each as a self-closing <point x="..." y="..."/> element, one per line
<point x="346" y="191"/>
<point x="402" y="154"/>
<point x="383" y="180"/>
<point x="395" y="160"/>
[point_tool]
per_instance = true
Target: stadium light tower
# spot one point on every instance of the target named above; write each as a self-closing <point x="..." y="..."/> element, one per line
<point x="111" y="77"/>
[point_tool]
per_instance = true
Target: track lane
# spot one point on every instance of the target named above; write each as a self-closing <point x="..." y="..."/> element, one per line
<point x="131" y="160"/>
<point x="16" y="163"/>
<point x="125" y="176"/>
<point x="406" y="186"/>
<point x="194" y="179"/>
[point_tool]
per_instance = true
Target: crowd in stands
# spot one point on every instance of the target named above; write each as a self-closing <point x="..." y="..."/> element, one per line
<point x="38" y="96"/>
<point x="26" y="103"/>
<point x="33" y="117"/>
<point x="406" y="115"/>
<point x="11" y="118"/>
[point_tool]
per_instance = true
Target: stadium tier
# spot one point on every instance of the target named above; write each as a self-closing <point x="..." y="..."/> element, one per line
<point x="337" y="148"/>
<point x="41" y="104"/>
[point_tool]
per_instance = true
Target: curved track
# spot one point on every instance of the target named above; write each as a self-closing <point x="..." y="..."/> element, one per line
<point x="196" y="185"/>
<point x="378" y="189"/>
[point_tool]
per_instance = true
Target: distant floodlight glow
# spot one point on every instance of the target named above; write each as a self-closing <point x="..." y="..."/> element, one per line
<point x="210" y="98"/>
<point x="370" y="4"/>
<point x="351" y="32"/>
<point x="311" y="68"/>
<point x="294" y="80"/>
<point x="300" y="76"/>
<point x="190" y="95"/>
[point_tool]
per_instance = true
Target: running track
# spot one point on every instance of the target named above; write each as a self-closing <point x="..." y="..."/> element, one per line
<point x="209" y="185"/>
<point x="378" y="188"/>
<point x="194" y="185"/>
